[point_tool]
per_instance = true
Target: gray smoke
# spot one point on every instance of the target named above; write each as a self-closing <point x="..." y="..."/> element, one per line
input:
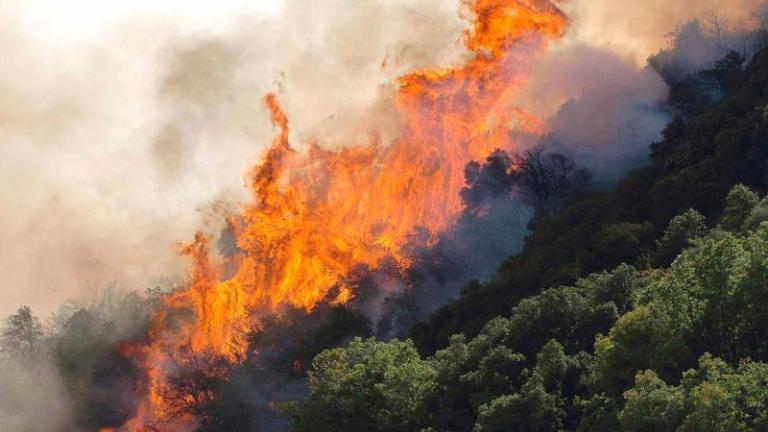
<point x="32" y="399"/>
<point x="614" y="112"/>
<point x="117" y="146"/>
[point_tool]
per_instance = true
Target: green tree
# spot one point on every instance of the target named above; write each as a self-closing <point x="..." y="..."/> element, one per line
<point x="681" y="231"/>
<point x="651" y="405"/>
<point x="531" y="410"/>
<point x="644" y="338"/>
<point x="758" y="215"/>
<point x="712" y="299"/>
<point x="711" y="398"/>
<point x="739" y="203"/>
<point x="367" y="386"/>
<point x="572" y="315"/>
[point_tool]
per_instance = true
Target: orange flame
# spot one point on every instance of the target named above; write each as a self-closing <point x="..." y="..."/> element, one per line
<point x="316" y="214"/>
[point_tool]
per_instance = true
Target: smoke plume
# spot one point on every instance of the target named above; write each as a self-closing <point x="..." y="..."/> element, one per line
<point x="109" y="145"/>
<point x="110" y="137"/>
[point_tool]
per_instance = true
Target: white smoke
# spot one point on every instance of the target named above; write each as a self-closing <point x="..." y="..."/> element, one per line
<point x="639" y="29"/>
<point x="121" y="127"/>
<point x="116" y="145"/>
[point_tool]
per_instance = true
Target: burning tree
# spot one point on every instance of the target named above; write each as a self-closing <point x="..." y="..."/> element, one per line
<point x="190" y="389"/>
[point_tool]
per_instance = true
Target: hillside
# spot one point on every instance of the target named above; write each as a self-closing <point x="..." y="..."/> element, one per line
<point x="706" y="149"/>
<point x="641" y="308"/>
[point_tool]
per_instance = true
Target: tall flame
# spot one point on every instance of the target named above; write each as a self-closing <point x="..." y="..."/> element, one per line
<point x="316" y="214"/>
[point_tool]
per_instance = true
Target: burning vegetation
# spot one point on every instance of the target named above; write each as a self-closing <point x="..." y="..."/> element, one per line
<point x="317" y="215"/>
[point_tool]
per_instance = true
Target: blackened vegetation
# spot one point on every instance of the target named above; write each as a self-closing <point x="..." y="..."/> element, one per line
<point x="504" y="197"/>
<point x="101" y="379"/>
<point x="191" y="389"/>
<point x="541" y="180"/>
<point x="76" y="358"/>
<point x="247" y="397"/>
<point x="545" y="180"/>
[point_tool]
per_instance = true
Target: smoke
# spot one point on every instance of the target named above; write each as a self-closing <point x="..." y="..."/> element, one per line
<point x="333" y="74"/>
<point x="69" y="374"/>
<point x="32" y="400"/>
<point x="639" y="29"/>
<point x="79" y="207"/>
<point x="113" y="136"/>
<point x="603" y="89"/>
<point x="116" y="147"/>
<point x="608" y="111"/>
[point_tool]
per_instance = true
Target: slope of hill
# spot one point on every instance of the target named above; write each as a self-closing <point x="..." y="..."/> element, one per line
<point x="640" y="308"/>
<point x="707" y="148"/>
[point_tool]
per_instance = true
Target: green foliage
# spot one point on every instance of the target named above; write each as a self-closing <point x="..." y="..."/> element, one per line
<point x="641" y="339"/>
<point x="738" y="206"/>
<point x="651" y="405"/>
<point x="598" y="413"/>
<point x="483" y="386"/>
<point x="531" y="410"/>
<point x="473" y="373"/>
<point x="369" y="385"/>
<point x="681" y="231"/>
<point x="715" y="294"/>
<point x="506" y="364"/>
<point x="711" y="300"/>
<point x="623" y="240"/>
<point x="571" y="315"/>
<point x="757" y="215"/>
<point x="714" y="397"/>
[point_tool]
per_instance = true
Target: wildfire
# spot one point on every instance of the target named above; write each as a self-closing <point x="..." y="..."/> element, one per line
<point x="314" y="215"/>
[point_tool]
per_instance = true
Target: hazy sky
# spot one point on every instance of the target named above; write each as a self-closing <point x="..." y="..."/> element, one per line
<point x="81" y="203"/>
<point x="123" y="123"/>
